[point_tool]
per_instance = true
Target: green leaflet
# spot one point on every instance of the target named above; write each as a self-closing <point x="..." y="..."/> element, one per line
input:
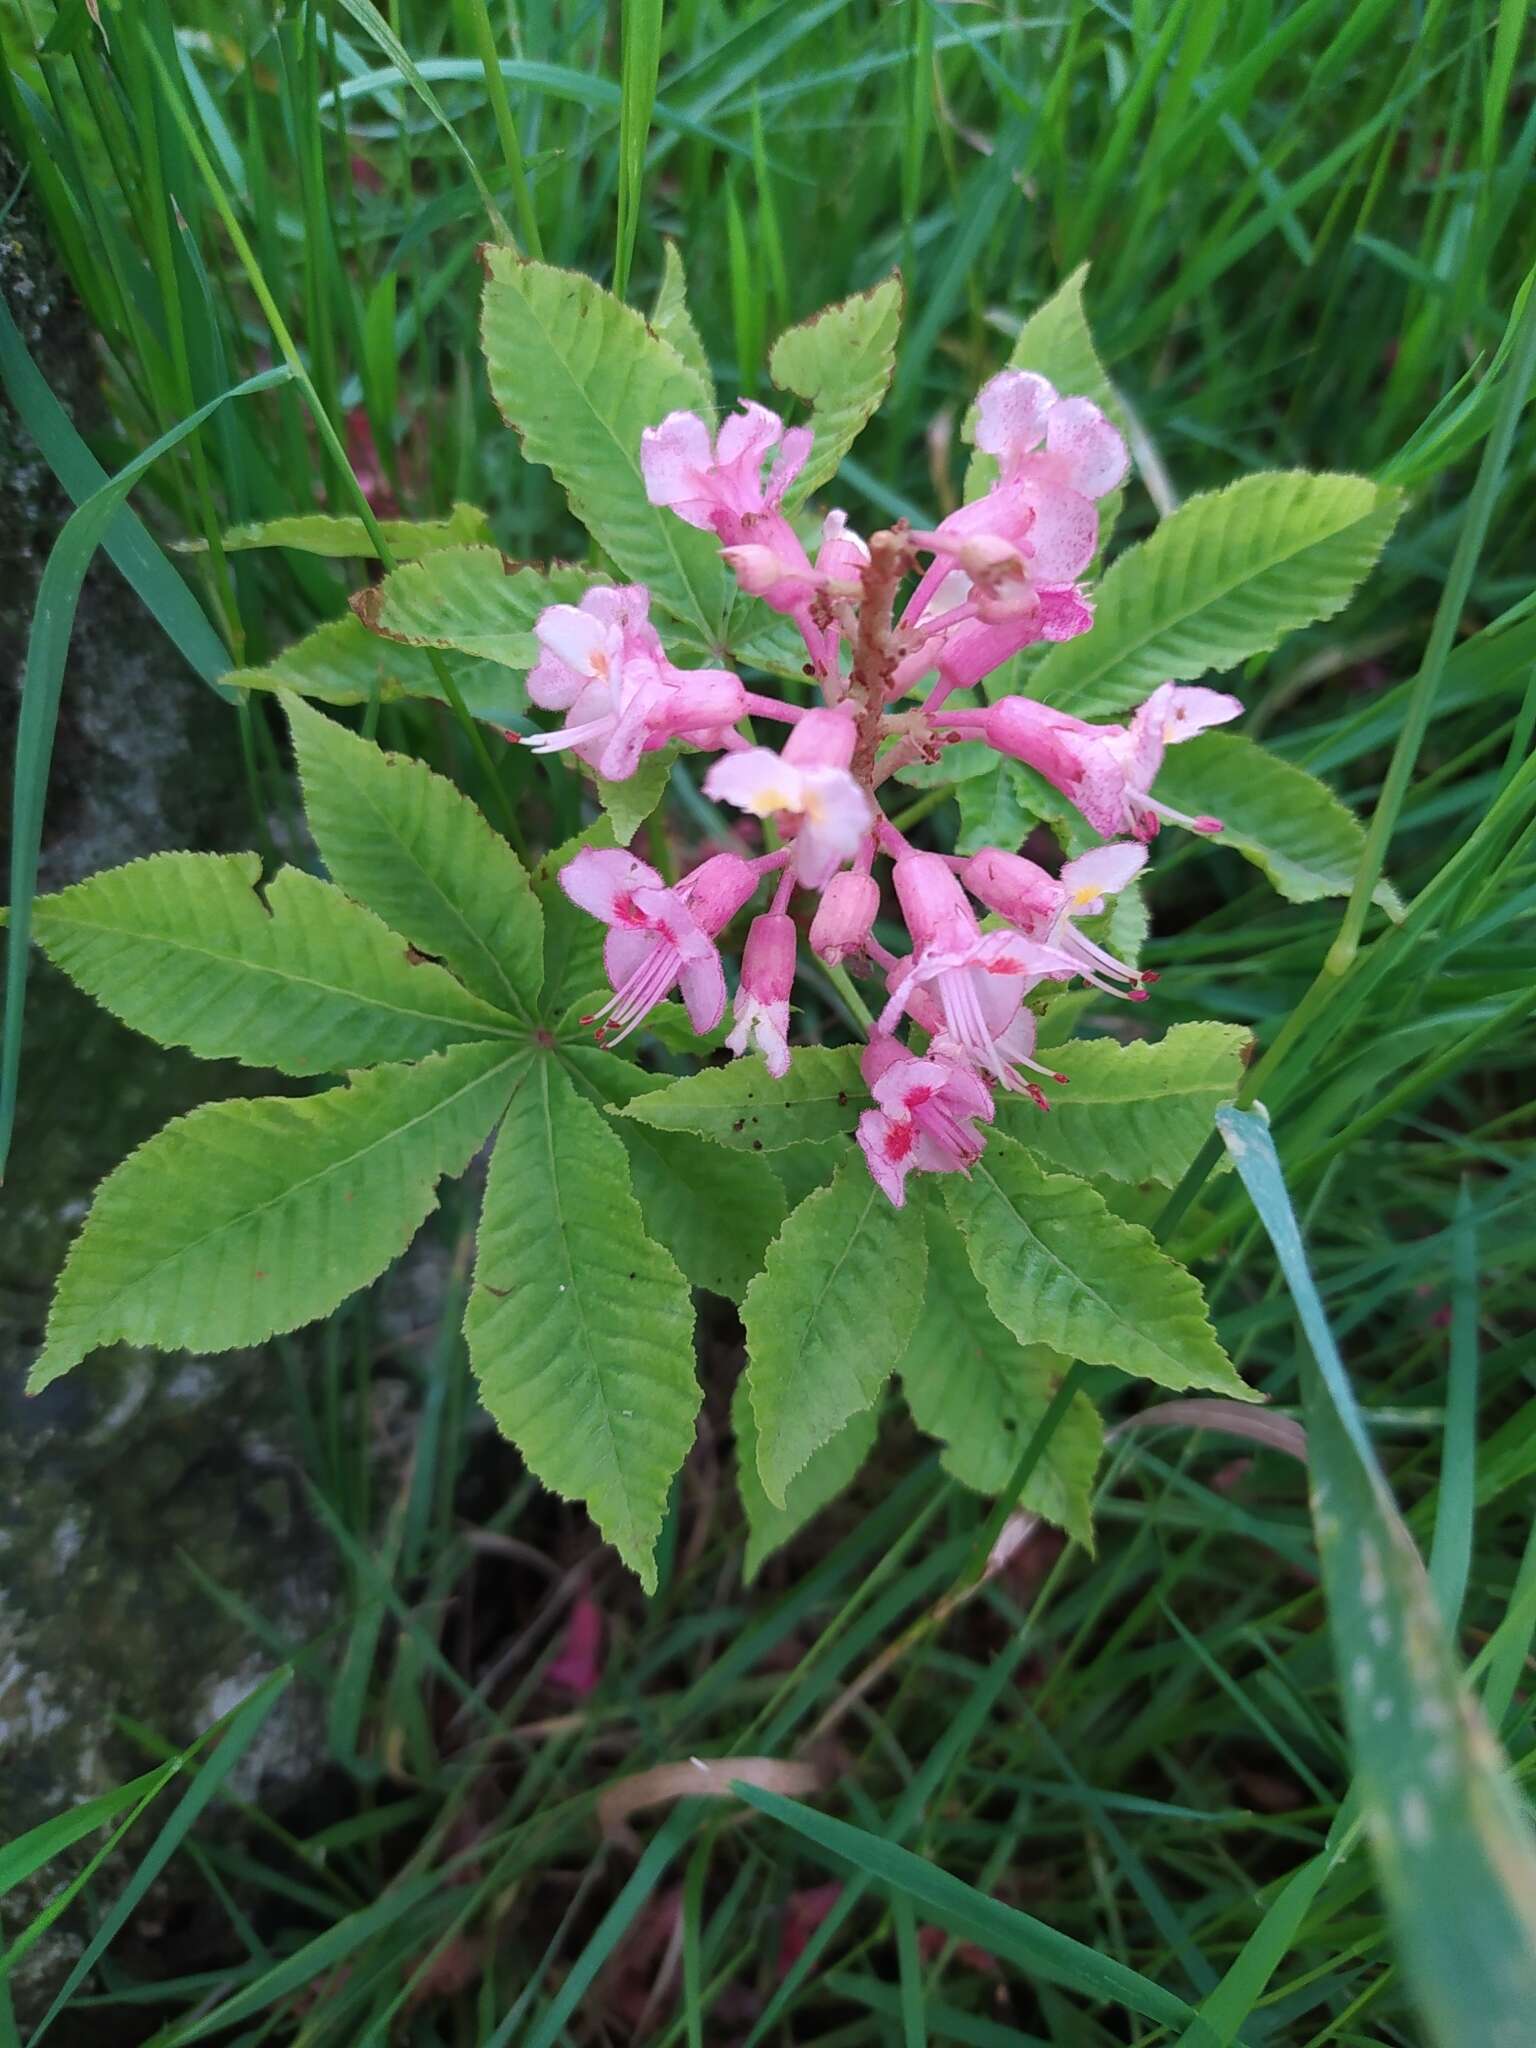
<point x="1223" y="578"/>
<point x="1056" y="343"/>
<point x="840" y="362"/>
<point x="1275" y="814"/>
<point x="1454" y="1848"/>
<point x="801" y="1169"/>
<point x="672" y="320"/>
<point x="346" y="538"/>
<point x="715" y="1211"/>
<point x="830" y="1469"/>
<point x="573" y="941"/>
<point x="991" y="812"/>
<point x="977" y="1388"/>
<point x="341" y="662"/>
<point x="742" y="1105"/>
<point x="580" y="376"/>
<point x="1059" y="1269"/>
<point x="245" y="1218"/>
<point x="1133" y="1112"/>
<point x="181" y="947"/>
<point x="828" y="1318"/>
<point x="580" y="1326"/>
<point x="415" y="850"/>
<point x="629" y="803"/>
<point x="472" y="599"/>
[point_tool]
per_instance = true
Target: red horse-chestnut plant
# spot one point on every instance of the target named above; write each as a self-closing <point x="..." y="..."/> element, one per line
<point x="902" y="1208"/>
<point x="991" y="579"/>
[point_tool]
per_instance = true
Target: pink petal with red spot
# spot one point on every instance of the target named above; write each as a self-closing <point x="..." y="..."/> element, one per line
<point x="598" y="877"/>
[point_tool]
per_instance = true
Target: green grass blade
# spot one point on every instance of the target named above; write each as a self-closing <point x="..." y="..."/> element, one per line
<point x="126" y="541"/>
<point x="1450" y="1553"/>
<point x="1029" y="1944"/>
<point x="647" y="1874"/>
<point x="641" y="62"/>
<point x="1456" y="1854"/>
<point x="244" y="1726"/>
<point x="42" y="682"/>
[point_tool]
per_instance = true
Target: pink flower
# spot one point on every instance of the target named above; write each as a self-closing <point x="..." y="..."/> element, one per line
<point x="762" y="1001"/>
<point x="658" y="937"/>
<point x="1172" y="713"/>
<point x="1043" y="907"/>
<point x="1105" y="770"/>
<point x="720" y="487"/>
<point x="924" y="1118"/>
<point x="1056" y="456"/>
<point x="1051" y="443"/>
<point x="603" y="665"/>
<point x="808" y="787"/>
<point x="964" y="985"/>
<point x="973" y="648"/>
<point x="845" y="916"/>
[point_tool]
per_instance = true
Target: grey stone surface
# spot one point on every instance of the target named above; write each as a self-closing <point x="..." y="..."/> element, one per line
<point x="119" y="1474"/>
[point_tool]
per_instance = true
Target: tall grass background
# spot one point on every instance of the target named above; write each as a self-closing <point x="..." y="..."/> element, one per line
<point x="1309" y="234"/>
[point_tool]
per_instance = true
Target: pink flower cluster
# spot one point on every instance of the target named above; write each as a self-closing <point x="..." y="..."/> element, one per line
<point x="943" y="609"/>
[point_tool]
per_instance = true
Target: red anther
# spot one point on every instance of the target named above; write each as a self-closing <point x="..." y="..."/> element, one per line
<point x="1064" y="1079"/>
<point x="1148" y="976"/>
<point x="1036" y="1094"/>
<point x="1137" y="995"/>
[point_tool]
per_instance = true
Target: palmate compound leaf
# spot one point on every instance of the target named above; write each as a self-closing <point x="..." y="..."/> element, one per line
<point x="1134" y="1112"/>
<point x="181" y="947"/>
<point x="829" y="1470"/>
<point x="1224" y="577"/>
<point x="415" y="850"/>
<point x="840" y="362"/>
<point x="1060" y="1269"/>
<point x="471" y="599"/>
<point x="579" y="376"/>
<point x="972" y="1384"/>
<point x="1273" y="813"/>
<point x="341" y="662"/>
<point x="828" y="1318"/>
<point x="580" y="1325"/>
<point x="742" y="1105"/>
<point x="250" y="1217"/>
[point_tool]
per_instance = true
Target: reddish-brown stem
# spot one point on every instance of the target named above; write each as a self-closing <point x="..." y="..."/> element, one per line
<point x="875" y="650"/>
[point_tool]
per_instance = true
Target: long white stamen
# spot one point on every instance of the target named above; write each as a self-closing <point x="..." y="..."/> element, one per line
<point x="639" y="994"/>
<point x="570" y="736"/>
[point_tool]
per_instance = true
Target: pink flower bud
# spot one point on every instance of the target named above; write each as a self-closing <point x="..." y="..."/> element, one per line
<point x="933" y="904"/>
<point x="822" y="739"/>
<point x="762" y="1001"/>
<point x="768" y="960"/>
<point x="1014" y="887"/>
<point x="701" y="700"/>
<point x="845" y="916"/>
<point x="717" y="889"/>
